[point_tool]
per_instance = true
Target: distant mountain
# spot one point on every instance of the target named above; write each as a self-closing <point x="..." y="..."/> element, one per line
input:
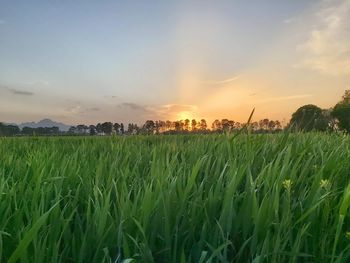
<point x="45" y="123"/>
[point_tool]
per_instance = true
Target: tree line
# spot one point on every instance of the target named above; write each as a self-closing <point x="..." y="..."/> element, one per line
<point x="148" y="128"/>
<point x="306" y="118"/>
<point x="312" y="118"/>
<point x="172" y="127"/>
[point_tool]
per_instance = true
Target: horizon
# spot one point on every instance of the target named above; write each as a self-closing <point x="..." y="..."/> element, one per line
<point x="87" y="62"/>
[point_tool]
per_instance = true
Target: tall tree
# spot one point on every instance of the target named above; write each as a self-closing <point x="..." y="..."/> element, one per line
<point x="168" y="125"/>
<point x="92" y="130"/>
<point x="107" y="128"/>
<point x="203" y="125"/>
<point x="116" y="127"/>
<point x="341" y="112"/>
<point x="225" y="125"/>
<point x="264" y="124"/>
<point x="309" y="117"/>
<point x="149" y="127"/>
<point x="193" y="125"/>
<point x="272" y="125"/>
<point x="187" y="125"/>
<point x="216" y="126"/>
<point x="9" y="130"/>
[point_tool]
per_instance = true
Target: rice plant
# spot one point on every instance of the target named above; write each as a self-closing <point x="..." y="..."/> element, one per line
<point x="201" y="198"/>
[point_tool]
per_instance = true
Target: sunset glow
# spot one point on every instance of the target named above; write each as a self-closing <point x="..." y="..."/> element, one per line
<point x="183" y="115"/>
<point x="208" y="60"/>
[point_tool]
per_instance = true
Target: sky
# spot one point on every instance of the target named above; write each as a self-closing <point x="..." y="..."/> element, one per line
<point x="84" y="61"/>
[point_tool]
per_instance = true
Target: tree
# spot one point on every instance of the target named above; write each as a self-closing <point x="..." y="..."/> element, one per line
<point x="72" y="130"/>
<point x="254" y="125"/>
<point x="187" y="125"/>
<point x="193" y="125"/>
<point x="168" y="125"/>
<point x="149" y="127"/>
<point x="341" y="112"/>
<point x="278" y="125"/>
<point x="132" y="129"/>
<point x="107" y="128"/>
<point x="225" y="125"/>
<point x="9" y="130"/>
<point x="216" y="125"/>
<point x="28" y="131"/>
<point x="309" y="117"/>
<point x="116" y="127"/>
<point x="99" y="128"/>
<point x="82" y="129"/>
<point x="346" y="96"/>
<point x="203" y="125"/>
<point x="264" y="124"/>
<point x="92" y="130"/>
<point x="272" y="125"/>
<point x="177" y="125"/>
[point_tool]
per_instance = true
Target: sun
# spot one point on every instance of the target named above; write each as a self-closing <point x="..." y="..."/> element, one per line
<point x="183" y="115"/>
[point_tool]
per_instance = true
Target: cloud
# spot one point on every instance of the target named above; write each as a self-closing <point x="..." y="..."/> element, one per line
<point x="2" y="22"/>
<point x="18" y="91"/>
<point x="178" y="107"/>
<point x="166" y="111"/>
<point x="288" y="20"/>
<point x="133" y="106"/>
<point x="327" y="48"/>
<point x="218" y="82"/>
<point x="112" y="97"/>
<point x="72" y="110"/>
<point x="283" y="98"/>
<point x="94" y="109"/>
<point x="21" y="92"/>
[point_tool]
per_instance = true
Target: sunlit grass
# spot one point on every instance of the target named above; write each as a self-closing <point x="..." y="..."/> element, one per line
<point x="201" y="198"/>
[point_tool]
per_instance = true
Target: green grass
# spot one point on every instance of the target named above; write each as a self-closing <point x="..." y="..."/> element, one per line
<point x="201" y="198"/>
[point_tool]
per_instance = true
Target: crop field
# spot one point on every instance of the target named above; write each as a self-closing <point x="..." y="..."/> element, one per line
<point x="191" y="198"/>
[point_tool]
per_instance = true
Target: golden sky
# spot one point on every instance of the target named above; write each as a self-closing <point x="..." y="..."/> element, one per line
<point x="88" y="62"/>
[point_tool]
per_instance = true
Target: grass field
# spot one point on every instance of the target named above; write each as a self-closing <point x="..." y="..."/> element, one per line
<point x="200" y="198"/>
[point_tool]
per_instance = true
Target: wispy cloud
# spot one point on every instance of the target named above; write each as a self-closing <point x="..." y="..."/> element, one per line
<point x="178" y="107"/>
<point x="72" y="110"/>
<point x="218" y="82"/>
<point x="327" y="48"/>
<point x="288" y="20"/>
<point x="2" y="22"/>
<point x="166" y="111"/>
<point x="16" y="91"/>
<point x="21" y="92"/>
<point x="94" y="109"/>
<point x="133" y="106"/>
<point x="285" y="98"/>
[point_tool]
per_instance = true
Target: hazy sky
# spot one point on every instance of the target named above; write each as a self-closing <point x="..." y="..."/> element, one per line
<point x="80" y="61"/>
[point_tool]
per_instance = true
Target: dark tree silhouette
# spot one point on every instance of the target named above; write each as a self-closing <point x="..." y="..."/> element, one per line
<point x="203" y="125"/>
<point x="116" y="127"/>
<point x="9" y="130"/>
<point x="149" y="127"/>
<point x="341" y="112"/>
<point x="187" y="125"/>
<point x="133" y="129"/>
<point x="308" y="118"/>
<point x="92" y="130"/>
<point x="107" y="128"/>
<point x="193" y="125"/>
<point x="40" y="131"/>
<point x="216" y="126"/>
